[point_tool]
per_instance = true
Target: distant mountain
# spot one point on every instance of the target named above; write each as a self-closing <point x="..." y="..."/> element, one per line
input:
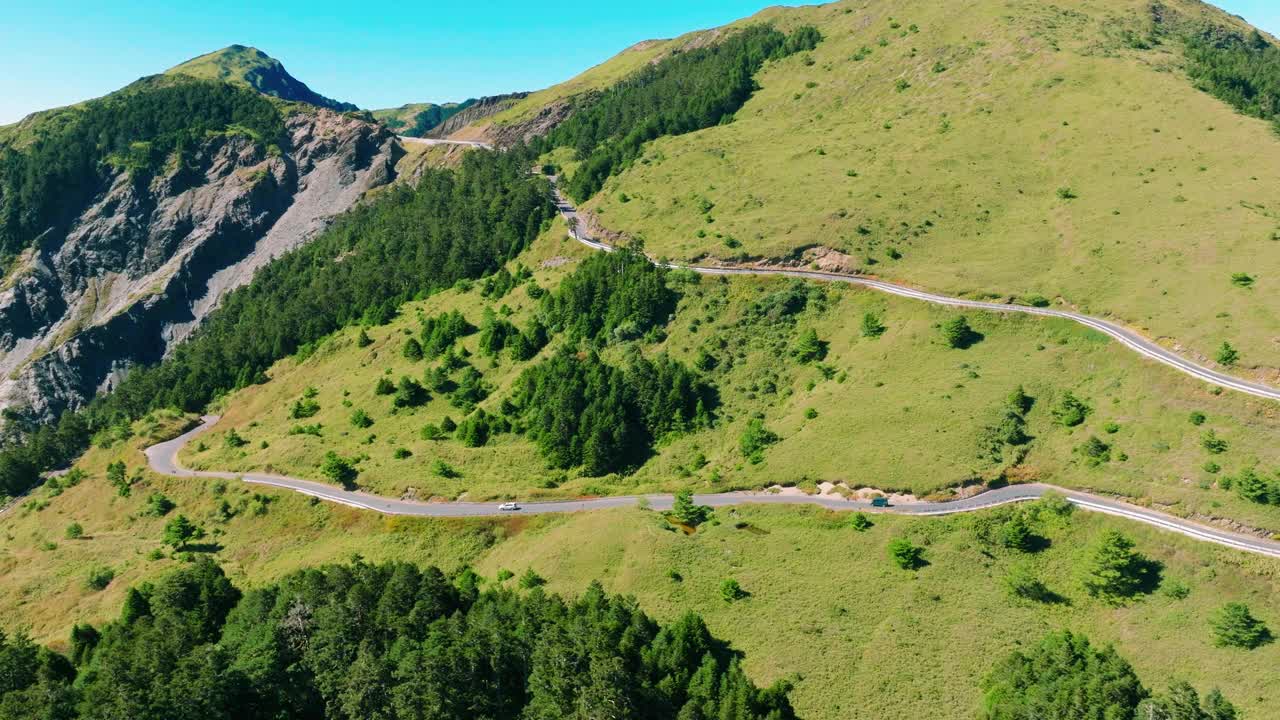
<point x="249" y="66"/>
<point x="415" y="119"/>
<point x="430" y="119"/>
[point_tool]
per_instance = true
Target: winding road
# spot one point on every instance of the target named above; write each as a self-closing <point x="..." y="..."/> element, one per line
<point x="1121" y="334"/>
<point x="163" y="459"/>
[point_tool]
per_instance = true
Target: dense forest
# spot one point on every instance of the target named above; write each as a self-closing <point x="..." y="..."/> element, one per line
<point x="583" y="412"/>
<point x="45" y="181"/>
<point x="411" y="241"/>
<point x="389" y="641"/>
<point x="1243" y="71"/>
<point x="1064" y="677"/>
<point x="686" y="91"/>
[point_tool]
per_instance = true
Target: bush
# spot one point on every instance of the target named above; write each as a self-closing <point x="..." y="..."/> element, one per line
<point x="233" y="439"/>
<point x="1227" y="355"/>
<point x="530" y="580"/>
<point x="1022" y="584"/>
<point x="731" y="591"/>
<point x="360" y="419"/>
<point x="860" y="521"/>
<point x="384" y="386"/>
<point x="443" y="469"/>
<point x="1070" y="410"/>
<point x="410" y="393"/>
<point x="1197" y="418"/>
<point x="1116" y="572"/>
<point x="99" y="578"/>
<point x="74" y="531"/>
<point x="1095" y="451"/>
<point x="158" y="505"/>
<point x="431" y="431"/>
<point x="872" y="326"/>
<point x="339" y="470"/>
<point x="687" y="511"/>
<point x="1015" y="534"/>
<point x="809" y="348"/>
<point x="363" y="340"/>
<point x="302" y="409"/>
<point x="754" y="439"/>
<point x="412" y="350"/>
<point x="1234" y="626"/>
<point x="906" y="555"/>
<point x="1212" y="443"/>
<point x="957" y="333"/>
<point x="401" y="453"/>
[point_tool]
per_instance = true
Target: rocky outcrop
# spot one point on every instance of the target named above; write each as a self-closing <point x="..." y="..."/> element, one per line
<point x="475" y="111"/>
<point x="149" y="259"/>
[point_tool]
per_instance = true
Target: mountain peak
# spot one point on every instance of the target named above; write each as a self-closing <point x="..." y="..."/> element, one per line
<point x="245" y="65"/>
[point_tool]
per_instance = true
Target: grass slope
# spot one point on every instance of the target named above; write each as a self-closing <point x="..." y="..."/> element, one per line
<point x="859" y="637"/>
<point x="415" y="119"/>
<point x="946" y="132"/>
<point x="251" y="67"/>
<point x="901" y="411"/>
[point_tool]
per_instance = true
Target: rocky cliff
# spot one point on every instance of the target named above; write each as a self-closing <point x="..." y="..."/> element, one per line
<point x="146" y="261"/>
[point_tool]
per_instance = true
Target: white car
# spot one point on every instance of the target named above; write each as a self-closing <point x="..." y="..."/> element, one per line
<point x="509" y="507"/>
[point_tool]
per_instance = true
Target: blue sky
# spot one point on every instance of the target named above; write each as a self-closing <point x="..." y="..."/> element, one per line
<point x="375" y="54"/>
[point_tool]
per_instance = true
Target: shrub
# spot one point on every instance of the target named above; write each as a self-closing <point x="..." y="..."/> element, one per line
<point x="384" y="386"/>
<point x="957" y="333"/>
<point x="339" y="470"/>
<point x="1240" y="279"/>
<point x="431" y="431"/>
<point x="906" y="555"/>
<point x="860" y="521"/>
<point x="1066" y="193"/>
<point x="808" y="347"/>
<point x="1070" y="411"/>
<point x="233" y="439"/>
<point x="443" y="469"/>
<point x="1115" y="571"/>
<point x="1212" y="443"/>
<point x="754" y="439"/>
<point x="448" y="425"/>
<point x="872" y="326"/>
<point x="410" y="393"/>
<point x="360" y="419"/>
<point x="99" y="578"/>
<point x="810" y="413"/>
<point x="180" y="530"/>
<point x="303" y="409"/>
<point x="1235" y="626"/>
<point x="363" y="340"/>
<point x="531" y="579"/>
<point x="687" y="511"/>
<point x="1111" y="428"/>
<point x="1227" y="355"/>
<point x="731" y="591"/>
<point x="1095" y="451"/>
<point x="1021" y="583"/>
<point x="158" y="505"/>
<point x="401" y="453"/>
<point x="74" y="531"/>
<point x="412" y="350"/>
<point x="1016" y="534"/>
<point x="1197" y="418"/>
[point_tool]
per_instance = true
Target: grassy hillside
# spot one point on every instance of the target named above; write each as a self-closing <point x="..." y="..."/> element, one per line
<point x="251" y="67"/>
<point x="826" y="608"/>
<point x="415" y="119"/>
<point x="901" y="411"/>
<point x="988" y="149"/>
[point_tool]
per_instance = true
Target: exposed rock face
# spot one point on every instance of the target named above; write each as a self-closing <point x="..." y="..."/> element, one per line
<point x="474" y="111"/>
<point x="147" y="261"/>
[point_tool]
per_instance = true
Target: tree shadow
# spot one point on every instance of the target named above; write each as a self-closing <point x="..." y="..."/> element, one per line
<point x="1038" y="543"/>
<point x="209" y="547"/>
<point x="1149" y="574"/>
<point x="969" y="339"/>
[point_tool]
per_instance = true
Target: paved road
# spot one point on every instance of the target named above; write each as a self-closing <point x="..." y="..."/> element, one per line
<point x="163" y="459"/>
<point x="435" y="141"/>
<point x="1123" y="335"/>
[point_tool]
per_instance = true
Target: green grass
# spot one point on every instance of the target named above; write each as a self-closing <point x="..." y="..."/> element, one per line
<point x="826" y="608"/>
<point x="960" y="172"/>
<point x="901" y="411"/>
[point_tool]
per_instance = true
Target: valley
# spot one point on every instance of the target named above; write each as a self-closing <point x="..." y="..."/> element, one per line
<point x="874" y="359"/>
